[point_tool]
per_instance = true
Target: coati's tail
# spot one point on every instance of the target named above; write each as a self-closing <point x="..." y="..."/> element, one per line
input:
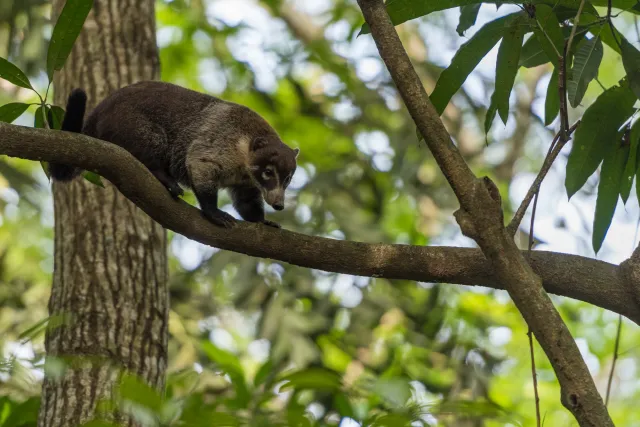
<point x="72" y="122"/>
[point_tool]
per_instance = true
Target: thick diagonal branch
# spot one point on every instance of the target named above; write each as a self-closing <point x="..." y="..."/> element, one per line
<point x="584" y="279"/>
<point x="481" y="217"/>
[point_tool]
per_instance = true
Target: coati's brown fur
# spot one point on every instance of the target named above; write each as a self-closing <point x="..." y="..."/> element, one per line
<point x="189" y="138"/>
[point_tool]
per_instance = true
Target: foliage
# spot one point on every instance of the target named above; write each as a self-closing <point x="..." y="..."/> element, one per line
<point x="335" y="347"/>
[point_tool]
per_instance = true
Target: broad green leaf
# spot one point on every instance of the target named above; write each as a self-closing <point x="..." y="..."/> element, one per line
<point x="552" y="101"/>
<point x="314" y="379"/>
<point x="405" y="10"/>
<point x="608" y="191"/>
<point x="586" y="62"/>
<point x="394" y="391"/>
<point x="532" y="54"/>
<point x="93" y="178"/>
<point x="263" y="373"/>
<point x="24" y="414"/>
<point x="230" y="364"/>
<point x="66" y="32"/>
<point x="57" y="116"/>
<point x="488" y="120"/>
<point x="632" y="163"/>
<point x="13" y="74"/>
<point x="39" y="117"/>
<point x="466" y="59"/>
<point x="507" y="65"/>
<point x="547" y="31"/>
<point x="135" y="390"/>
<point x="10" y="112"/>
<point x="468" y="15"/>
<point x="631" y="62"/>
<point x="596" y="135"/>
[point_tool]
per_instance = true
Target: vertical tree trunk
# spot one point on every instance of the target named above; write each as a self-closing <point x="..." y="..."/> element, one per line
<point x="110" y="270"/>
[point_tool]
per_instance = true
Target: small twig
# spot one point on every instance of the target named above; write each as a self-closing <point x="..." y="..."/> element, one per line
<point x="556" y="146"/>
<point x="610" y="22"/>
<point x="534" y="375"/>
<point x="615" y="359"/>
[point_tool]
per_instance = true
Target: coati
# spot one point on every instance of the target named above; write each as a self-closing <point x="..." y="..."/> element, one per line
<point x="189" y="138"/>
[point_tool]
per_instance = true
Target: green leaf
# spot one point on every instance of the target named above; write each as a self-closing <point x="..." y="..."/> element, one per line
<point x="632" y="163"/>
<point x="507" y="65"/>
<point x="313" y="379"/>
<point x="532" y="54"/>
<point x="230" y="364"/>
<point x="631" y="62"/>
<point x="548" y="32"/>
<point x="57" y="116"/>
<point x="66" y="32"/>
<point x="586" y="62"/>
<point x="466" y="59"/>
<point x="38" y="121"/>
<point x="10" y="112"/>
<point x="488" y="120"/>
<point x="404" y="10"/>
<point x="608" y="191"/>
<point x="93" y="178"/>
<point x="596" y="134"/>
<point x="136" y="391"/>
<point x="468" y="15"/>
<point x="263" y="373"/>
<point x="24" y="414"/>
<point x="552" y="101"/>
<point x="13" y="74"/>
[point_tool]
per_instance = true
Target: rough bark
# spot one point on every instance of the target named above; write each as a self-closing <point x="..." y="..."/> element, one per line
<point x="110" y="273"/>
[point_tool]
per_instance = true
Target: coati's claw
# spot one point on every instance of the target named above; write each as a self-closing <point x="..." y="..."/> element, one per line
<point x="271" y="223"/>
<point x="220" y="218"/>
<point x="175" y="191"/>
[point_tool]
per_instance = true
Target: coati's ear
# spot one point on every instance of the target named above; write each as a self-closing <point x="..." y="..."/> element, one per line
<point x="296" y="151"/>
<point x="258" y="143"/>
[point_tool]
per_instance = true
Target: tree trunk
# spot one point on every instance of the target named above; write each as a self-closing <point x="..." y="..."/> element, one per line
<point x="110" y="273"/>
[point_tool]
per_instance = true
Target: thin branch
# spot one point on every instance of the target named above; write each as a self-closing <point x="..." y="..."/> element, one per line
<point x="585" y="279"/>
<point x="552" y="154"/>
<point x="616" y="348"/>
<point x="481" y="217"/>
<point x="534" y="376"/>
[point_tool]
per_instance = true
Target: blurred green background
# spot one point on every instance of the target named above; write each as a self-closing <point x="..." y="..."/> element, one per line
<point x="437" y="354"/>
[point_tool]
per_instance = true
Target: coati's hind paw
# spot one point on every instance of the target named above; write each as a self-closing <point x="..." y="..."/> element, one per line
<point x="220" y="218"/>
<point x="271" y="223"/>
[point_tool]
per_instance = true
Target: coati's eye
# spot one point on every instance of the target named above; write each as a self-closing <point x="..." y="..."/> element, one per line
<point x="267" y="174"/>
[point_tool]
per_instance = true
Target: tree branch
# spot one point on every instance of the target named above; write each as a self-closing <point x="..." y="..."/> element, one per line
<point x="481" y="217"/>
<point x="576" y="277"/>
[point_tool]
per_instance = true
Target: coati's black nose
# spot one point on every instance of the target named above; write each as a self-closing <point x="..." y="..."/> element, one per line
<point x="278" y="206"/>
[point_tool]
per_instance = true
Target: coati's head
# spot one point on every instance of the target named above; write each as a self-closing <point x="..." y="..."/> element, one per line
<point x="272" y="165"/>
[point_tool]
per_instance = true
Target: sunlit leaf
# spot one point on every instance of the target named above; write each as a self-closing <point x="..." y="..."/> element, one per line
<point x="263" y="373"/>
<point x="314" y="379"/>
<point x="10" y="112"/>
<point x="586" y="62"/>
<point x="552" y="100"/>
<point x="93" y="178"/>
<point x="66" y="32"/>
<point x="468" y="15"/>
<point x="134" y="390"/>
<point x="608" y="191"/>
<point x="596" y="135"/>
<point x="13" y="74"/>
<point x="466" y="59"/>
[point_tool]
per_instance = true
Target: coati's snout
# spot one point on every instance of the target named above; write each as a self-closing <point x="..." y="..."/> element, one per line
<point x="274" y="164"/>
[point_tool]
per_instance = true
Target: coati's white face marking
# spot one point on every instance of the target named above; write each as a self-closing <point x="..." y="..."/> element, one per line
<point x="271" y="166"/>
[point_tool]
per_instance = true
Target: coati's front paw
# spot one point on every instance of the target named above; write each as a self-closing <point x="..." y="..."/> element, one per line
<point x="220" y="218"/>
<point x="175" y="191"/>
<point x="271" y="223"/>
